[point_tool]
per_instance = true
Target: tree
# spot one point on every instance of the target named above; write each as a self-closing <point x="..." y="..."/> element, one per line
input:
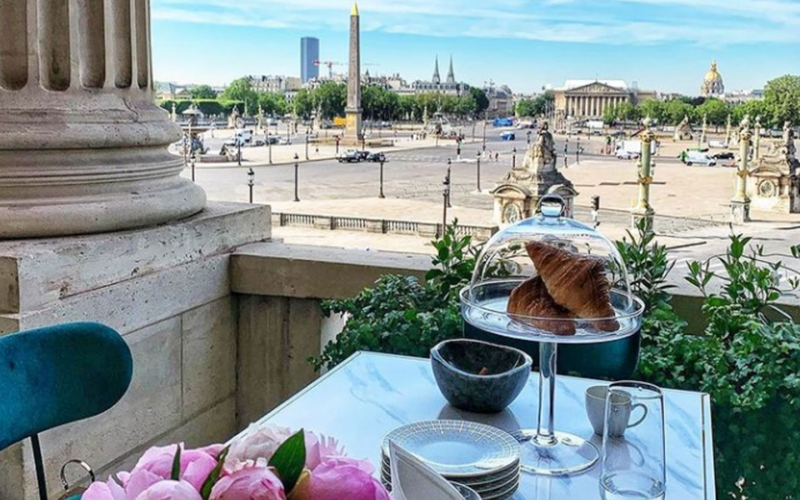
<point x="653" y="108"/>
<point x="203" y="92"/>
<point x="782" y="100"/>
<point x="241" y="90"/>
<point x="627" y="112"/>
<point x="676" y="110"/>
<point x="303" y="104"/>
<point x="716" y="111"/>
<point x="525" y="108"/>
<point x="481" y="101"/>
<point x="610" y="115"/>
<point x="273" y="103"/>
<point x="753" y="109"/>
<point x="330" y="99"/>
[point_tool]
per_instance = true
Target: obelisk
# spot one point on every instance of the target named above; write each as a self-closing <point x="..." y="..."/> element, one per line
<point x="352" y="132"/>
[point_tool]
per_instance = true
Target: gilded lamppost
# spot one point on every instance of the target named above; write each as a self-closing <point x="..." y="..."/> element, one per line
<point x="740" y="203"/>
<point x="728" y="132"/>
<point x="643" y="211"/>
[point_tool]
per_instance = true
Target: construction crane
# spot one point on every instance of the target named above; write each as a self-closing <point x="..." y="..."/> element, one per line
<point x="331" y="64"/>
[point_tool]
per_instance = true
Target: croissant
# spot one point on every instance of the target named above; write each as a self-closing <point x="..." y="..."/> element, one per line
<point x="575" y="282"/>
<point x="531" y="298"/>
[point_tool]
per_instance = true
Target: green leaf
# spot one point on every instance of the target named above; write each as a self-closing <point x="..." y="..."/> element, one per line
<point x="176" y="465"/>
<point x="213" y="477"/>
<point x="289" y="460"/>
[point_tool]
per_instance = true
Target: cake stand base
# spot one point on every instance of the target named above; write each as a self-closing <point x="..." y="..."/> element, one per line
<point x="561" y="454"/>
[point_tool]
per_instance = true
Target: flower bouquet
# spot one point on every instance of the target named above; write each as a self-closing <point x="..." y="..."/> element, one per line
<point x="268" y="463"/>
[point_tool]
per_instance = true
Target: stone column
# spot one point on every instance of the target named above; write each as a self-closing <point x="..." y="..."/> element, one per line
<point x="740" y="204"/>
<point x="353" y="133"/>
<point x="83" y="148"/>
<point x="757" y="141"/>
<point x="643" y="211"/>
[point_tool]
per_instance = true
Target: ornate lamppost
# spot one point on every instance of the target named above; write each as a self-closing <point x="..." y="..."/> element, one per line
<point x="296" y="176"/>
<point x="643" y="211"/>
<point x="757" y="140"/>
<point x="449" y="167"/>
<point x="740" y="203"/>
<point x="381" y="195"/>
<point x="479" y="171"/>
<point x="251" y="180"/>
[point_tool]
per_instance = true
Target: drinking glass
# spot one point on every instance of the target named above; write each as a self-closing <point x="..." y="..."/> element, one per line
<point x="634" y="463"/>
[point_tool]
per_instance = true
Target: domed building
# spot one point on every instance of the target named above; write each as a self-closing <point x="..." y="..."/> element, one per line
<point x="713" y="86"/>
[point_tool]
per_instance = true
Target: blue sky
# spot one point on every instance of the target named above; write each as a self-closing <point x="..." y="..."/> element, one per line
<point x="665" y="45"/>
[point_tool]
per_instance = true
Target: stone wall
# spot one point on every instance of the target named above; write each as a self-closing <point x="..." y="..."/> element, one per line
<point x="167" y="291"/>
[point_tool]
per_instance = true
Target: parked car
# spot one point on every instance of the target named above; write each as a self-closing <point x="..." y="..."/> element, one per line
<point x="627" y="155"/>
<point x="698" y="158"/>
<point x="376" y="157"/>
<point x="726" y="155"/>
<point x="508" y="136"/>
<point x="363" y="155"/>
<point x="350" y="156"/>
<point x="285" y="142"/>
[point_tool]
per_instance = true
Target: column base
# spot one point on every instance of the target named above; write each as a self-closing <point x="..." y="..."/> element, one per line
<point x="740" y="211"/>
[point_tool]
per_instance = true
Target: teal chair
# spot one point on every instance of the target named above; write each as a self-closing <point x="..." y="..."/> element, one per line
<point x="56" y="375"/>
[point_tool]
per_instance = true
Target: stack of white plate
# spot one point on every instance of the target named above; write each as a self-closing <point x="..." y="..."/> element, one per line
<point x="479" y="456"/>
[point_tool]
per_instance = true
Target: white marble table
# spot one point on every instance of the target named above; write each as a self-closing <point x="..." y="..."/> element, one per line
<point x="371" y="394"/>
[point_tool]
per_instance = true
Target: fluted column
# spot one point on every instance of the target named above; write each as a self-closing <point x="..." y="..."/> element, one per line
<point x="83" y="148"/>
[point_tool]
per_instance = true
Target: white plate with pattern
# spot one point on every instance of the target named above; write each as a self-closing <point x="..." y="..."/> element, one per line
<point x="455" y="448"/>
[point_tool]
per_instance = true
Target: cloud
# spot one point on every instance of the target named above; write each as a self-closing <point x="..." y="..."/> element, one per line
<point x="713" y="23"/>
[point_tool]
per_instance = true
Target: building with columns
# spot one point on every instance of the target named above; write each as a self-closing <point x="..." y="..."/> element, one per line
<point x="589" y="99"/>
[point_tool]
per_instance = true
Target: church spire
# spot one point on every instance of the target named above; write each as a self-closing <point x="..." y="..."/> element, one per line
<point x="436" y="78"/>
<point x="451" y="76"/>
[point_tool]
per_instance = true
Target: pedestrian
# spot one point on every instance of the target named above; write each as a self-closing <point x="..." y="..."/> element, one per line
<point x="497" y="157"/>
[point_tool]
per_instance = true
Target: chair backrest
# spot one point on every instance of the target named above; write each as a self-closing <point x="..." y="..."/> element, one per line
<point x="59" y="374"/>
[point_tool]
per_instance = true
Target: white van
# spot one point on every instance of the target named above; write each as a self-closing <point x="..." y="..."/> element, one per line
<point x="699" y="158"/>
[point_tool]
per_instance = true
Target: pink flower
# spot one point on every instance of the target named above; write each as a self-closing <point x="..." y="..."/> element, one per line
<point x="156" y="464"/>
<point x="170" y="490"/>
<point x="258" y="442"/>
<point x="105" y="491"/>
<point x="345" y="479"/>
<point x="251" y="483"/>
<point x="263" y="442"/>
<point x="319" y="449"/>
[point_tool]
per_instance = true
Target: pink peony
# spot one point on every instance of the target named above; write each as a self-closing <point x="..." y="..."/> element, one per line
<point x="319" y="449"/>
<point x="170" y="490"/>
<point x="156" y="464"/>
<point x="345" y="479"/>
<point x="263" y="442"/>
<point x="105" y="491"/>
<point x="258" y="442"/>
<point x="250" y="483"/>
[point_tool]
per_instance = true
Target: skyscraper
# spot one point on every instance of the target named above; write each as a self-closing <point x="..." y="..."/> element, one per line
<point x="309" y="55"/>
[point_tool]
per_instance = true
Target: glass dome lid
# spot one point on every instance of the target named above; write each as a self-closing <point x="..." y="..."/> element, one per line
<point x="552" y="279"/>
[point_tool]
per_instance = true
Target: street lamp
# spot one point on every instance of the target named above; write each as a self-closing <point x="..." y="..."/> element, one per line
<point x="445" y="201"/>
<point x="479" y="171"/>
<point x="484" y="130"/>
<point x="307" y="145"/>
<point x="239" y="151"/>
<point x="514" y="158"/>
<point x="449" y="167"/>
<point x="337" y="144"/>
<point x="381" y="195"/>
<point x="251" y="180"/>
<point x="458" y="148"/>
<point x="578" y="152"/>
<point x="296" y="176"/>
<point x="529" y="137"/>
<point x="269" y="143"/>
<point x="194" y="159"/>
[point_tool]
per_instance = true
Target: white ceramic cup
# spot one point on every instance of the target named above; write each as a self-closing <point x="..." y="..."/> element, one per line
<point x="620" y="415"/>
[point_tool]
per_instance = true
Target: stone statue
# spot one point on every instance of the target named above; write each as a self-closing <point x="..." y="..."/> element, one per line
<point x="788" y="139"/>
<point x="683" y="131"/>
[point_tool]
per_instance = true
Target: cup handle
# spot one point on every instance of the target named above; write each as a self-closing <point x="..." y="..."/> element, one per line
<point x="644" y="415"/>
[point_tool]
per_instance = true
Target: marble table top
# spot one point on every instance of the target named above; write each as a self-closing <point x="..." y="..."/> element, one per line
<point x="371" y="394"/>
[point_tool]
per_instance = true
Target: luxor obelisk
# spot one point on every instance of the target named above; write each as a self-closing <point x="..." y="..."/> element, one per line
<point x="352" y="133"/>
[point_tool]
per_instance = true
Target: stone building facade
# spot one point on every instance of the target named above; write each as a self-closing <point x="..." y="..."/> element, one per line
<point x="448" y="87"/>
<point x="589" y="99"/>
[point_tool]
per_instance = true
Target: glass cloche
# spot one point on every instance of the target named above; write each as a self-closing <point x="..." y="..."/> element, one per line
<point x="552" y="280"/>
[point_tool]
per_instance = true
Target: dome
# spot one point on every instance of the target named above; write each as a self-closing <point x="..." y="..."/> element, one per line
<point x="580" y="292"/>
<point x="713" y="75"/>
